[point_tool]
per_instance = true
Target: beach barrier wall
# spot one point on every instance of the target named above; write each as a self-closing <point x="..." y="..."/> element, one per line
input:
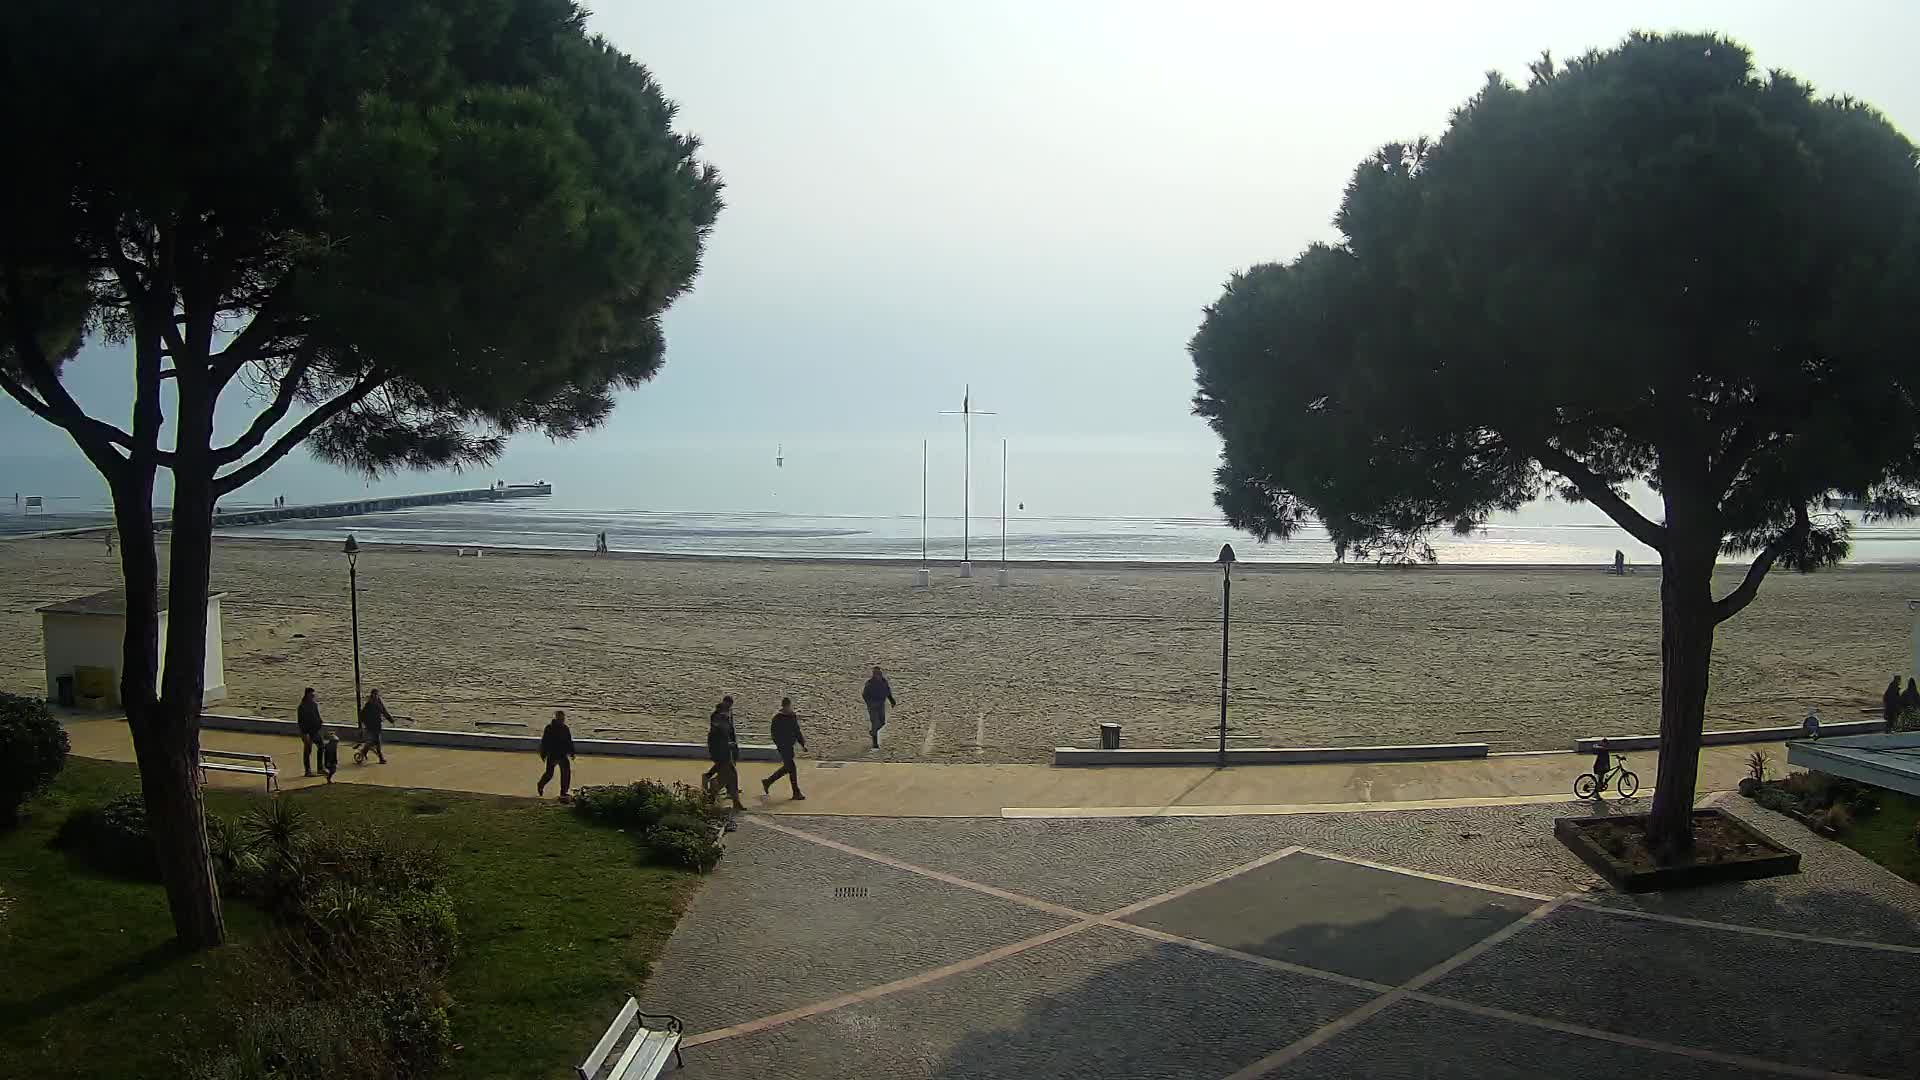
<point x="1068" y="756"/>
<point x="355" y="507"/>
<point x="484" y="740"/>
<point x="1738" y="735"/>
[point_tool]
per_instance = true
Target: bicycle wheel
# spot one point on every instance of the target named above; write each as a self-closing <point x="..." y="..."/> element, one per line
<point x="1584" y="787"/>
<point x="1627" y="784"/>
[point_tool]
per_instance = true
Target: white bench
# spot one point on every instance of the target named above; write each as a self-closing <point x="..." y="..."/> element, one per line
<point x="645" y="1056"/>
<point x="240" y="762"/>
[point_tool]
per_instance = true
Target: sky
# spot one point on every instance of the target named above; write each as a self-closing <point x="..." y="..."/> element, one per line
<point x="1038" y="199"/>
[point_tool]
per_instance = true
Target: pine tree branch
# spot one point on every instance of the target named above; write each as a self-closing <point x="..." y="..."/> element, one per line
<point x="296" y="434"/>
<point x="1597" y="491"/>
<point x="276" y="411"/>
<point x="1736" y="601"/>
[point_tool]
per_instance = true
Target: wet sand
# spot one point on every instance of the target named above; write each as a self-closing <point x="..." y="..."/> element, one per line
<point x="637" y="647"/>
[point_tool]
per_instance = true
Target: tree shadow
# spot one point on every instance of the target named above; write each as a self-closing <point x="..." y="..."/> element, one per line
<point x="149" y="961"/>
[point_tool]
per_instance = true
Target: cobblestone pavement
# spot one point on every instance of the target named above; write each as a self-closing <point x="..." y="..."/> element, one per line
<point x="1440" y="943"/>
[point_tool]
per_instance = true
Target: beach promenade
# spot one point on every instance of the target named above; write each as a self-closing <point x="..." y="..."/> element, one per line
<point x="1411" y="920"/>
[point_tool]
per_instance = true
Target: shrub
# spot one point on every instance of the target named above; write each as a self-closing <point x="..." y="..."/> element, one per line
<point x="1916" y="836"/>
<point x="33" y="749"/>
<point x="112" y="838"/>
<point x="1758" y="764"/>
<point x="1749" y="786"/>
<point x="1908" y="720"/>
<point x="1777" y="798"/>
<point x="697" y="851"/>
<point x="428" y="919"/>
<point x="1835" y="819"/>
<point x="641" y="805"/>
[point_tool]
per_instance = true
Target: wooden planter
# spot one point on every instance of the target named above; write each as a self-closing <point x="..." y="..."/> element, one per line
<point x="1762" y="856"/>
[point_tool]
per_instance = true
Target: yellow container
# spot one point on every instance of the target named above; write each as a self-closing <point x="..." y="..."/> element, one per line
<point x="93" y="687"/>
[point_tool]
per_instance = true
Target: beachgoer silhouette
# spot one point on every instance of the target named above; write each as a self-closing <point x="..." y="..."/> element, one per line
<point x="878" y="694"/>
<point x="1910" y="697"/>
<point x="373" y="717"/>
<point x="723" y="748"/>
<point x="1890" y="703"/>
<point x="786" y="733"/>
<point x="556" y="749"/>
<point x="310" y="727"/>
<point x="1602" y="761"/>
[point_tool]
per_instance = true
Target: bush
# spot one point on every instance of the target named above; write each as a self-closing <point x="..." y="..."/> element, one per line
<point x="428" y="919"/>
<point x="1777" y="798"/>
<point x="112" y="838"/>
<point x="1916" y="836"/>
<point x="1759" y="763"/>
<point x="1749" y="786"/>
<point x="1834" y="820"/>
<point x="690" y="850"/>
<point x="33" y="749"/>
<point x="641" y="805"/>
<point x="1908" y="720"/>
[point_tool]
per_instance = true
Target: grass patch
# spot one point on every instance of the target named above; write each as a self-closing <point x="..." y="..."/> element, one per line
<point x="558" y="923"/>
<point x="1887" y="837"/>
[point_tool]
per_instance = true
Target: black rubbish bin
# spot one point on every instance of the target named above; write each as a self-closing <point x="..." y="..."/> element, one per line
<point x="63" y="691"/>
<point x="1109" y="736"/>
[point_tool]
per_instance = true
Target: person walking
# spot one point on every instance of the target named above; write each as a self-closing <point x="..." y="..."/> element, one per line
<point x="1890" y="703"/>
<point x="329" y="754"/>
<point x="878" y="694"/>
<point x="786" y="733"/>
<point x="1910" y="697"/>
<point x="310" y="726"/>
<point x="556" y="748"/>
<point x="723" y="748"/>
<point x="373" y="717"/>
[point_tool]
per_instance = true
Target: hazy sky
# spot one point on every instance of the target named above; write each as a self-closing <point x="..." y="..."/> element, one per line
<point x="1038" y="198"/>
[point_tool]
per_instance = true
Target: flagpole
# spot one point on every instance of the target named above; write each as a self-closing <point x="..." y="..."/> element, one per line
<point x="1003" y="505"/>
<point x="923" y="502"/>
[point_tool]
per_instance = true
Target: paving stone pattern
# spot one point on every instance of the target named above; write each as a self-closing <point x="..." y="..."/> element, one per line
<point x="1335" y="916"/>
<point x="1412" y="1040"/>
<point x="767" y="934"/>
<point x="1791" y="1001"/>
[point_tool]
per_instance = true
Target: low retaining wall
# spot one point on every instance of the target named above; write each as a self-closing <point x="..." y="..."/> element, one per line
<point x="1066" y="756"/>
<point x="485" y="740"/>
<point x="1739" y="735"/>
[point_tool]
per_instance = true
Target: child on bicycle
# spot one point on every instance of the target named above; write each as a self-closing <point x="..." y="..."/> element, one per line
<point x="1602" y="761"/>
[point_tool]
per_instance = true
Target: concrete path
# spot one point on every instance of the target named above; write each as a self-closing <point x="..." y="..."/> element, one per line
<point x="1457" y="943"/>
<point x="861" y="788"/>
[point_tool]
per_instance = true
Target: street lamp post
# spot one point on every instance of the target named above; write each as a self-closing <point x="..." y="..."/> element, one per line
<point x="353" y="592"/>
<point x="1226" y="619"/>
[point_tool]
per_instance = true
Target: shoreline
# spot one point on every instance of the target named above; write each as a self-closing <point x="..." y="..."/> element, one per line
<point x="980" y="566"/>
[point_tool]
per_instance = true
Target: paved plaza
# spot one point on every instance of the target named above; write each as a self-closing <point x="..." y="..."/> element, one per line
<point x="1436" y="943"/>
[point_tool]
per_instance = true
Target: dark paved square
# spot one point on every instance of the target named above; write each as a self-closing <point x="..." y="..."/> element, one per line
<point x="1099" y="1003"/>
<point x="772" y="930"/>
<point x="1416" y="1041"/>
<point x="1339" y="916"/>
<point x="1834" y="1007"/>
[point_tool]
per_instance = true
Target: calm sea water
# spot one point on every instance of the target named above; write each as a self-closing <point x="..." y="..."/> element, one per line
<point x="1082" y="500"/>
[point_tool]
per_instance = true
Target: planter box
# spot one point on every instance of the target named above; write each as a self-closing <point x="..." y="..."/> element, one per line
<point x="1765" y="856"/>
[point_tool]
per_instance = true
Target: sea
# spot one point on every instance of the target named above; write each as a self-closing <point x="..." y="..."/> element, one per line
<point x="1078" y="500"/>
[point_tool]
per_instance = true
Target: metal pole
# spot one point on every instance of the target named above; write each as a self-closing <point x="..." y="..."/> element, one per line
<point x="966" y="481"/>
<point x="1003" y="504"/>
<point x="923" y="502"/>
<point x="1226" y="620"/>
<point x="353" y="591"/>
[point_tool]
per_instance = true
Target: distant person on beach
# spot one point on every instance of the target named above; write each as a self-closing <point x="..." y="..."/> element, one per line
<point x="556" y="748"/>
<point x="786" y="733"/>
<point x="878" y="694"/>
<point x="311" y="728"/>
<point x="109" y="541"/>
<point x="1619" y="563"/>
<point x="723" y="747"/>
<point x="373" y="717"/>
<point x="1890" y="703"/>
<point x="1910" y="697"/>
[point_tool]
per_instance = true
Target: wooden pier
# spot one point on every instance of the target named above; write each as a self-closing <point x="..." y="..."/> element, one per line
<point x="354" y="507"/>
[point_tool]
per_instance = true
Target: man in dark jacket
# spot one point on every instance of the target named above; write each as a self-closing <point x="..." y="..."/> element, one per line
<point x="1910" y="697"/>
<point x="556" y="749"/>
<point x="878" y="694"/>
<point x="786" y="733"/>
<point x="373" y="717"/>
<point x="723" y="748"/>
<point x="310" y="727"/>
<point x="1890" y="703"/>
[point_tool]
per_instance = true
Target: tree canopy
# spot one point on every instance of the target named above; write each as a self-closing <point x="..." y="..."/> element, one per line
<point x="1650" y="264"/>
<point x="401" y="229"/>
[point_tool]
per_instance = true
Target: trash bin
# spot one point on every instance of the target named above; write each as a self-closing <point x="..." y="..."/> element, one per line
<point x="63" y="691"/>
<point x="1109" y="736"/>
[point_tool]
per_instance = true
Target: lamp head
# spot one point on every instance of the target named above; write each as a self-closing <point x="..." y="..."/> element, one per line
<point x="352" y="546"/>
<point x="1226" y="555"/>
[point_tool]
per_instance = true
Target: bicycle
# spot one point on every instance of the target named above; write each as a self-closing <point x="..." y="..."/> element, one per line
<point x="1627" y="784"/>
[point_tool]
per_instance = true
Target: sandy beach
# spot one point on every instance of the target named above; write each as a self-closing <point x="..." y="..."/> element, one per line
<point x="636" y="647"/>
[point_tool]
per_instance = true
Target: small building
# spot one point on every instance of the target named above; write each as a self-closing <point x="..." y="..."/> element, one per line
<point x="1890" y="761"/>
<point x="84" y="639"/>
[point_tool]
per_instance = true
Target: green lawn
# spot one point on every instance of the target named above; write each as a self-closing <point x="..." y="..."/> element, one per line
<point x="558" y="923"/>
<point x="1887" y="837"/>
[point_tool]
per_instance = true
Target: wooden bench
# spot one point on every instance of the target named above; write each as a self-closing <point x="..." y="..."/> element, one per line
<point x="646" y="1054"/>
<point x="240" y="762"/>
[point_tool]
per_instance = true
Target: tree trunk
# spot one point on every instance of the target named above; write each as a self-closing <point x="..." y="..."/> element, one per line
<point x="166" y="747"/>
<point x="1686" y="656"/>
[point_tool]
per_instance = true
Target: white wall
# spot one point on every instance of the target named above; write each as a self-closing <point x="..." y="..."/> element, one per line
<point x="72" y="641"/>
